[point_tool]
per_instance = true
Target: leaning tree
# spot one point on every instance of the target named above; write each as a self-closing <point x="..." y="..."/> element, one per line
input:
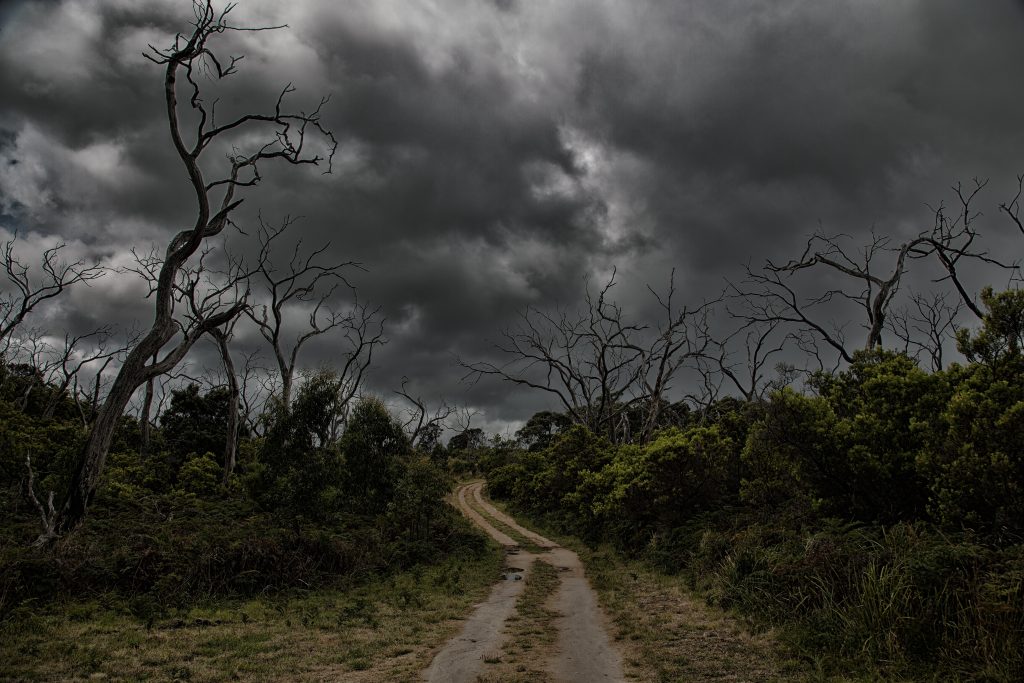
<point x="184" y="313"/>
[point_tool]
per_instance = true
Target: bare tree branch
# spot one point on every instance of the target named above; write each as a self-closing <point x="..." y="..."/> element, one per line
<point x="184" y="306"/>
<point x="26" y="292"/>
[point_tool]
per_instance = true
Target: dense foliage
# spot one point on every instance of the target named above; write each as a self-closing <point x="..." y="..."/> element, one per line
<point x="317" y="499"/>
<point x="877" y="517"/>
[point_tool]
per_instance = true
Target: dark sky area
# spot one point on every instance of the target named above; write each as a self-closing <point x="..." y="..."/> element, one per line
<point x="495" y="154"/>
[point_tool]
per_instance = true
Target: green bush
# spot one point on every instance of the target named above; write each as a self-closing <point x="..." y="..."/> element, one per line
<point x="200" y="476"/>
<point x="662" y="484"/>
<point x="374" y="447"/>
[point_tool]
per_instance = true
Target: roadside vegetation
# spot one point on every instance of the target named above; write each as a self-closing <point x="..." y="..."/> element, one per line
<point x="865" y="505"/>
<point x="316" y="554"/>
<point x="875" y="520"/>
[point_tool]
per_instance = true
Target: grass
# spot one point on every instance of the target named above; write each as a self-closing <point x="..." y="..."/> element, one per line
<point x="666" y="633"/>
<point x="531" y="632"/>
<point x="384" y="630"/>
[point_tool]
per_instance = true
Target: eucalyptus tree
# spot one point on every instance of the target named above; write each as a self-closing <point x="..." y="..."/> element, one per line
<point x="187" y="305"/>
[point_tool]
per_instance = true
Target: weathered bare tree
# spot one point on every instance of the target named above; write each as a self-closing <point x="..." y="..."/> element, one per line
<point x="201" y="291"/>
<point x="598" y="365"/>
<point x="876" y="291"/>
<point x="222" y="337"/>
<point x="588" y="360"/>
<point x="158" y="391"/>
<point x="256" y="387"/>
<point x="683" y="336"/>
<point x="953" y="240"/>
<point x="420" y="421"/>
<point x="363" y="333"/>
<point x="287" y="137"/>
<point x="771" y="297"/>
<point x="25" y="292"/>
<point x="71" y="359"/>
<point x="34" y="360"/>
<point x="88" y="398"/>
<point x="1012" y="207"/>
<point x="876" y="270"/>
<point x="304" y="282"/>
<point x="47" y="516"/>
<point x="757" y="343"/>
<point x="927" y="326"/>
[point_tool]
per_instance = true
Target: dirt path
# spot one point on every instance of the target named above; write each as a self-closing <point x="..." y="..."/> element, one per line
<point x="583" y="651"/>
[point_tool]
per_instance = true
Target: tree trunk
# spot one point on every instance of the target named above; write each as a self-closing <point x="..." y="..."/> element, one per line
<point x="231" y="441"/>
<point x="94" y="455"/>
<point x="146" y="424"/>
<point x="55" y="396"/>
<point x="286" y="386"/>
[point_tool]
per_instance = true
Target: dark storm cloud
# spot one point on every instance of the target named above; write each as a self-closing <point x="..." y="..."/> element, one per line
<point x="851" y="114"/>
<point x="494" y="154"/>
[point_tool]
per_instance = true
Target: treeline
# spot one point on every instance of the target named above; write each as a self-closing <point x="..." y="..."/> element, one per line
<point x="310" y="502"/>
<point x="265" y="480"/>
<point x="877" y="517"/>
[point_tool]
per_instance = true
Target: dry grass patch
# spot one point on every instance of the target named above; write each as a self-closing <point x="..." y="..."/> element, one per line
<point x="384" y="630"/>
<point x="669" y="635"/>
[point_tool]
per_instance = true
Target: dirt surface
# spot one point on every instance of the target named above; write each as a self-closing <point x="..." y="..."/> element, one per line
<point x="583" y="651"/>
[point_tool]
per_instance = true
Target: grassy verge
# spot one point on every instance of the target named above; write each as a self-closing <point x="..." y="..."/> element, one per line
<point x="666" y="633"/>
<point x="532" y="632"/>
<point x="383" y="630"/>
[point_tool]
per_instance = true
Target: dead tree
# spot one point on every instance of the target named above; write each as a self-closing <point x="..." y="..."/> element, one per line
<point x="221" y="336"/>
<point x="757" y="343"/>
<point x="598" y="365"/>
<point x="363" y="332"/>
<point x="302" y="282"/>
<point x="683" y="335"/>
<point x="155" y="396"/>
<point x="25" y="292"/>
<point x="588" y="360"/>
<point x="952" y="240"/>
<point x="48" y="517"/>
<point x="145" y="415"/>
<point x="35" y="360"/>
<point x="255" y="384"/>
<point x="89" y="397"/>
<point x="71" y="359"/>
<point x="771" y="298"/>
<point x="927" y="326"/>
<point x="421" y="423"/>
<point x="1012" y="207"/>
<point x="284" y="136"/>
<point x="876" y="291"/>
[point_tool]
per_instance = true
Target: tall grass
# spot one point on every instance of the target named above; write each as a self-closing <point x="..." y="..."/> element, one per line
<point x="905" y="600"/>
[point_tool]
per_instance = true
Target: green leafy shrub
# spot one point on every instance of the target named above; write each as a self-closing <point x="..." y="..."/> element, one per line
<point x="662" y="484"/>
<point x="374" y="447"/>
<point x="200" y="476"/>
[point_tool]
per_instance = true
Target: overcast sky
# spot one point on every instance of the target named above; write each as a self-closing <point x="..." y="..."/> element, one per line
<point x="494" y="154"/>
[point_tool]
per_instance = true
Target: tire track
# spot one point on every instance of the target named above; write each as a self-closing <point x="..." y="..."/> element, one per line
<point x="584" y="652"/>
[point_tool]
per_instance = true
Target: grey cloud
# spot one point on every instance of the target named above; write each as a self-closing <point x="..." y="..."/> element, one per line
<point x="495" y="154"/>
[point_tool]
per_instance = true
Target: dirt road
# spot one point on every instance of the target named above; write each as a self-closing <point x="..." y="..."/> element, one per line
<point x="582" y="652"/>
